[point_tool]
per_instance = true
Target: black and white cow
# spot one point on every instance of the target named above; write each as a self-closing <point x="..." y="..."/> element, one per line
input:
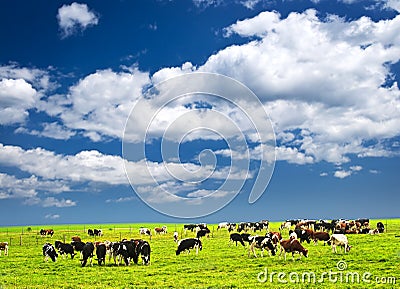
<point x="380" y="227"/>
<point x="262" y="243"/>
<point x="145" y="231"/>
<point x="236" y="237"/>
<point x="98" y="232"/>
<point x="101" y="253"/>
<point x="78" y="246"/>
<point x="187" y="244"/>
<point x="304" y="235"/>
<point x="176" y="237"/>
<point x="49" y="252"/>
<point x="65" y="249"/>
<point x="246" y="237"/>
<point x="202" y="233"/>
<point x="87" y="253"/>
<point x="143" y="249"/>
<point x="127" y="252"/>
<point x="189" y="227"/>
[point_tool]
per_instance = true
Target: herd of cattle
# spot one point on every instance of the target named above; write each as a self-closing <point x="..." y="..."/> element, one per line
<point x="331" y="232"/>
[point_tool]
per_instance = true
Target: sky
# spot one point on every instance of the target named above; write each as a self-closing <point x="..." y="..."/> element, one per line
<point x="296" y="99"/>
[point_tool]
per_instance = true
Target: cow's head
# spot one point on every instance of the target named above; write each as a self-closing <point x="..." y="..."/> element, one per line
<point x="305" y="253"/>
<point x="348" y="247"/>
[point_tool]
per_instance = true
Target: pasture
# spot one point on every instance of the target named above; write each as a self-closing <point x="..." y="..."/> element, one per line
<point x="373" y="262"/>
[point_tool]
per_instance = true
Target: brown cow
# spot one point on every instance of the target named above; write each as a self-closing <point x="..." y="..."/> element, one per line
<point x="76" y="239"/>
<point x="292" y="246"/>
<point x="321" y="236"/>
<point x="4" y="247"/>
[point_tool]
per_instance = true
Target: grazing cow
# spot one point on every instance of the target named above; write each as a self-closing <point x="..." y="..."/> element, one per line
<point x="78" y="246"/>
<point x="98" y="232"/>
<point x="76" y="239"/>
<point x="162" y="230"/>
<point x="145" y="231"/>
<point x="189" y="227"/>
<point x="87" y="253"/>
<point x="176" y="236"/>
<point x="292" y="246"/>
<point x="4" y="247"/>
<point x="236" y="237"/>
<point x="101" y="253"/>
<point x="304" y="235"/>
<point x="127" y="251"/>
<point x="90" y="232"/>
<point x="65" y="249"/>
<point x="47" y="232"/>
<point x="339" y="240"/>
<point x="243" y="227"/>
<point x="143" y="249"/>
<point x="49" y="252"/>
<point x="292" y="235"/>
<point x="223" y="225"/>
<point x="262" y="243"/>
<point x="275" y="237"/>
<point x="380" y="227"/>
<point x="321" y="236"/>
<point x="187" y="244"/>
<point x="202" y="233"/>
<point x="246" y="237"/>
<point x="231" y="227"/>
<point x="285" y="225"/>
<point x="372" y="232"/>
<point x="113" y="251"/>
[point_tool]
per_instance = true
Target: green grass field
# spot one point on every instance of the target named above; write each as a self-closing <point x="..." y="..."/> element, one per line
<point x="219" y="265"/>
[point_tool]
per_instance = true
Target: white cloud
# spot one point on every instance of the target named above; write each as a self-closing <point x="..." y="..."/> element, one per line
<point x="356" y="168"/>
<point x="375" y="172"/>
<point x="121" y="200"/>
<point x="52" y="216"/>
<point x="341" y="174"/>
<point x="50" y="202"/>
<point x="325" y="78"/>
<point x="100" y="103"/>
<point x="250" y="4"/>
<point x="50" y="130"/>
<point x="16" y="98"/>
<point x="323" y="174"/>
<point x="74" y="17"/>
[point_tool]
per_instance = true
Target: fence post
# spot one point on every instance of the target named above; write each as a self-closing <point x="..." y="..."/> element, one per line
<point x="10" y="241"/>
<point x="20" y="240"/>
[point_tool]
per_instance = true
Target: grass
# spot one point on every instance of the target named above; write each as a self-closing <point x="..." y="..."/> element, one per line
<point x="218" y="265"/>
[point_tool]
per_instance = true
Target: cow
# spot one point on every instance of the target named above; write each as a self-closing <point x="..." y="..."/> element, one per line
<point x="236" y="237"/>
<point x="78" y="246"/>
<point x="64" y="249"/>
<point x="187" y="244"/>
<point x="176" y="236"/>
<point x="339" y="240"/>
<point x="4" y="247"/>
<point x="304" y="235"/>
<point x="113" y="251"/>
<point x="292" y="235"/>
<point x="380" y="227"/>
<point x="292" y="246"/>
<point x="143" y="249"/>
<point x="87" y="253"/>
<point x="223" y="225"/>
<point x="189" y="227"/>
<point x="276" y="237"/>
<point x="246" y="237"/>
<point x="162" y="230"/>
<point x="98" y="232"/>
<point x="76" y="239"/>
<point x="90" y="232"/>
<point x="320" y="236"/>
<point x="145" y="231"/>
<point x="231" y="227"/>
<point x="202" y="233"/>
<point x="285" y="225"/>
<point x="262" y="243"/>
<point x="47" y="232"/>
<point x="101" y="251"/>
<point x="243" y="227"/>
<point x="126" y="250"/>
<point x="49" y="252"/>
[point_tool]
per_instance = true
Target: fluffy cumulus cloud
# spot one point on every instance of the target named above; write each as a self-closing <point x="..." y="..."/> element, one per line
<point x="327" y="81"/>
<point x="74" y="17"/>
<point x="20" y="91"/>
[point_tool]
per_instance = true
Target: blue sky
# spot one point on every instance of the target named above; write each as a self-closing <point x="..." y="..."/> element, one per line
<point x="326" y="73"/>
